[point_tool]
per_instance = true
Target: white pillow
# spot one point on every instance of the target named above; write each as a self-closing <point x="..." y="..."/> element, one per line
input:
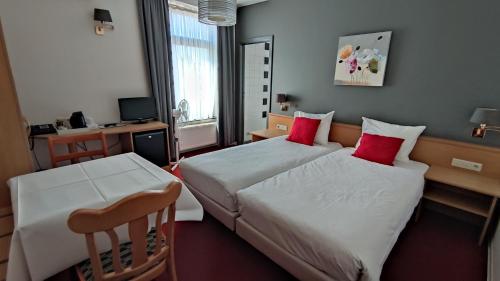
<point x="410" y="135"/>
<point x="324" y="126"/>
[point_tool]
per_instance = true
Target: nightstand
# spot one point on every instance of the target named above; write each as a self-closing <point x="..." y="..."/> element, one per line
<point x="464" y="190"/>
<point x="267" y="134"/>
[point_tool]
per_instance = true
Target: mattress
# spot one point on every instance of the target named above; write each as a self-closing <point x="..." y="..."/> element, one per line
<point x="338" y="213"/>
<point x="220" y="174"/>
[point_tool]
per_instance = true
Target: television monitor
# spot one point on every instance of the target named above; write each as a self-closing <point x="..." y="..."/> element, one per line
<point x="137" y="109"/>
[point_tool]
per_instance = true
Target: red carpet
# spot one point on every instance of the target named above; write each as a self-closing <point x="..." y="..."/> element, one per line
<point x="437" y="248"/>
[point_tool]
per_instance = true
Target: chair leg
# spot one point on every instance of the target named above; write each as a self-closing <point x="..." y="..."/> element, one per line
<point x="79" y="274"/>
<point x="171" y="265"/>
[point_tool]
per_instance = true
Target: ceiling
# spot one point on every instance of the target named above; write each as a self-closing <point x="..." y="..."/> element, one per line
<point x="241" y="3"/>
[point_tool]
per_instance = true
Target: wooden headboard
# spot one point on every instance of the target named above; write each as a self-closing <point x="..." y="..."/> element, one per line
<point x="429" y="150"/>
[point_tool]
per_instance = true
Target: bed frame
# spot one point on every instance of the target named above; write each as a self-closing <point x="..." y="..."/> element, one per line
<point x="295" y="266"/>
<point x="225" y="216"/>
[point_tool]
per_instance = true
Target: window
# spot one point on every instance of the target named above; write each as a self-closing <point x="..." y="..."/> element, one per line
<point x="194" y="60"/>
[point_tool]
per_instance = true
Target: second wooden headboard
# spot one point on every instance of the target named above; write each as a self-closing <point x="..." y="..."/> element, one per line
<point x="429" y="150"/>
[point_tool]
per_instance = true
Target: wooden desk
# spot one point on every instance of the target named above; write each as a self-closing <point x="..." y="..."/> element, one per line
<point x="464" y="190"/>
<point x="125" y="133"/>
<point x="267" y="134"/>
<point x="129" y="128"/>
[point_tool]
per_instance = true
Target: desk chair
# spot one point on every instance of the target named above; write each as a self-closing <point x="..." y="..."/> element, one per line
<point x="147" y="255"/>
<point x="73" y="154"/>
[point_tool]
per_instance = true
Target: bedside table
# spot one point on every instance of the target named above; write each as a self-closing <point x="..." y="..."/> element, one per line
<point x="267" y="134"/>
<point x="464" y="190"/>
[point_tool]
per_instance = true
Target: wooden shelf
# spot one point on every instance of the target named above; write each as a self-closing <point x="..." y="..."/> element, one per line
<point x="459" y="201"/>
<point x="464" y="190"/>
<point x="464" y="179"/>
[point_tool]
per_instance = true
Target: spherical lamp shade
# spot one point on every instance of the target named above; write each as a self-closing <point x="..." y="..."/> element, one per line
<point x="217" y="12"/>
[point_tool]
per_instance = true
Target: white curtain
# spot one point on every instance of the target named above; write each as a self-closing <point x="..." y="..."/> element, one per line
<point x="194" y="61"/>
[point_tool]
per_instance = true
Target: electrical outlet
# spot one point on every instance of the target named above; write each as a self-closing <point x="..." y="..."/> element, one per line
<point x="281" y="127"/>
<point x="464" y="164"/>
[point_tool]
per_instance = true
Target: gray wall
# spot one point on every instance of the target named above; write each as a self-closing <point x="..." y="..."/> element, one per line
<point x="443" y="60"/>
<point x="60" y="65"/>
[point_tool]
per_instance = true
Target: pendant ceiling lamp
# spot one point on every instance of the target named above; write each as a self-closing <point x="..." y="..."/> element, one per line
<point x="217" y="12"/>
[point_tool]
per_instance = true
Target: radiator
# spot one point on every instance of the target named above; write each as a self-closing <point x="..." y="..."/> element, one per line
<point x="197" y="136"/>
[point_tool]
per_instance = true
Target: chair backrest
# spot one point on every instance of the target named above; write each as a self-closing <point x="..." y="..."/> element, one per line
<point x="134" y="210"/>
<point x="72" y="141"/>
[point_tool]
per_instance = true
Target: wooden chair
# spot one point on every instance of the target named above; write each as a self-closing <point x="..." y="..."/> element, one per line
<point x="133" y="210"/>
<point x="73" y="154"/>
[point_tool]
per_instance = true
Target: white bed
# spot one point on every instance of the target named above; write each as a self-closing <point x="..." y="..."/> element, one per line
<point x="336" y="217"/>
<point x="216" y="177"/>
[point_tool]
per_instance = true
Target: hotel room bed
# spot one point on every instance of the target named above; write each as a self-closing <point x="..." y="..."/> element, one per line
<point x="334" y="218"/>
<point x="216" y="177"/>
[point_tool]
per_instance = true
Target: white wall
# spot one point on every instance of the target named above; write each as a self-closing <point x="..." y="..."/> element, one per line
<point x="60" y="65"/>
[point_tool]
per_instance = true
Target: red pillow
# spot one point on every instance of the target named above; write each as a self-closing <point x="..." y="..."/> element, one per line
<point x="304" y="130"/>
<point x="380" y="149"/>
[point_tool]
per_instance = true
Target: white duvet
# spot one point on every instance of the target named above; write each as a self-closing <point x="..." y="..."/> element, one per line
<point x="220" y="174"/>
<point x="338" y="213"/>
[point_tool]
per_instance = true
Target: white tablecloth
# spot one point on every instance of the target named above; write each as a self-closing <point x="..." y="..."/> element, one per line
<point x="42" y="244"/>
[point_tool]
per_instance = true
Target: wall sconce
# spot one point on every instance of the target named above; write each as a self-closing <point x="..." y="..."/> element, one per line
<point x="283" y="101"/>
<point x="102" y="17"/>
<point x="485" y="117"/>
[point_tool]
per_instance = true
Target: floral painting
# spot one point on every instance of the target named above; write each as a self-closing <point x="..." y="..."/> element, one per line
<point x="362" y="59"/>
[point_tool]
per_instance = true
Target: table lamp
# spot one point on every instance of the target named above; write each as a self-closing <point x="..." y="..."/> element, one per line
<point x="488" y="120"/>
<point x="283" y="101"/>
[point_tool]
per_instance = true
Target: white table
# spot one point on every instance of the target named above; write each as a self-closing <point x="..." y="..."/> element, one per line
<point x="42" y="244"/>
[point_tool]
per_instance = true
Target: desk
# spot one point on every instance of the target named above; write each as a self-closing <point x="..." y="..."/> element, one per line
<point x="125" y="133"/>
<point x="42" y="202"/>
<point x="463" y="190"/>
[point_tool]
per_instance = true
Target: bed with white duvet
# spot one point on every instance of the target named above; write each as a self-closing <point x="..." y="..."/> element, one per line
<point x="219" y="175"/>
<point x="339" y="214"/>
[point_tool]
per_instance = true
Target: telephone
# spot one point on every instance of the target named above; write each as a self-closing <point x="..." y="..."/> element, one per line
<point x="42" y="129"/>
<point x="77" y="120"/>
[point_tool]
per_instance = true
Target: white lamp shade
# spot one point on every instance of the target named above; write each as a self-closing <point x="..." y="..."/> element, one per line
<point x="217" y="12"/>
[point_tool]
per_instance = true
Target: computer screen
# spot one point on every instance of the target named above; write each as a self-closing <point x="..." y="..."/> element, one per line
<point x="137" y="109"/>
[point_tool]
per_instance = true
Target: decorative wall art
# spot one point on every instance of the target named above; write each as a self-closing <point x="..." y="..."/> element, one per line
<point x="362" y="59"/>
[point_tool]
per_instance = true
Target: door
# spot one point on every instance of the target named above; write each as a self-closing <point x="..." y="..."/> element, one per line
<point x="257" y="80"/>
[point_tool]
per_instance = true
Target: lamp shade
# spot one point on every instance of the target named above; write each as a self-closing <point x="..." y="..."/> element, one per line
<point x="488" y="116"/>
<point x="217" y="12"/>
<point x="281" y="98"/>
<point x="102" y="15"/>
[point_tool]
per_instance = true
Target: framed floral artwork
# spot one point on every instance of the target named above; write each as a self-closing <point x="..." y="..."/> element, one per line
<point x="362" y="59"/>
